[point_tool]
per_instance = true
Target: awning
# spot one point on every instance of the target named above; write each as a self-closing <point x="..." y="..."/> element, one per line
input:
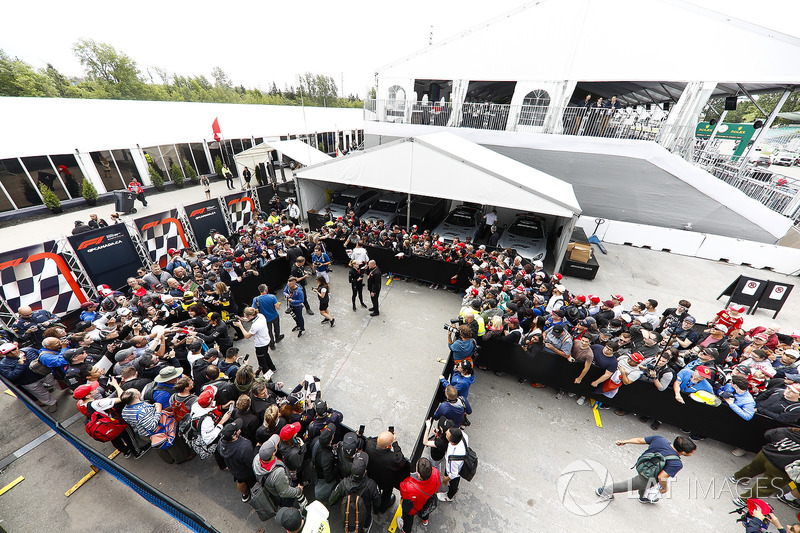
<point x="297" y="150"/>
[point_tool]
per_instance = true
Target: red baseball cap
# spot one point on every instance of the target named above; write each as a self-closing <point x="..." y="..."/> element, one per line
<point x="290" y="430"/>
<point x="703" y="371"/>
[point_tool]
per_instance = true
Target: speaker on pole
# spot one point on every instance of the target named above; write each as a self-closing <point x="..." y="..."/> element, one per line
<point x="713" y="122"/>
<point x="730" y="103"/>
<point x="757" y="124"/>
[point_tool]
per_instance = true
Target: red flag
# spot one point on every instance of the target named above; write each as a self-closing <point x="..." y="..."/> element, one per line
<point x="215" y="128"/>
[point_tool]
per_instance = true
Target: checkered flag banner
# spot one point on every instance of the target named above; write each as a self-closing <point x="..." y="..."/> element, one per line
<point x="39" y="276"/>
<point x="241" y="210"/>
<point x="160" y="232"/>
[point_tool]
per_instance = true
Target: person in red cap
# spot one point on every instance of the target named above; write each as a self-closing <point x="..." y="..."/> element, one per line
<point x="292" y="451"/>
<point x="770" y="333"/>
<point x="627" y="372"/>
<point x="689" y="381"/>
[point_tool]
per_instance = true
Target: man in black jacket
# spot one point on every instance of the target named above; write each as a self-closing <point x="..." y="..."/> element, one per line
<point x="374" y="286"/>
<point x="216" y="332"/>
<point x="387" y="466"/>
<point x="779" y="404"/>
<point x="238" y="454"/>
<point x="359" y="483"/>
<point x="325" y="465"/>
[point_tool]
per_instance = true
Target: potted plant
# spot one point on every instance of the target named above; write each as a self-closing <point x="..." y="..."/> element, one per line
<point x="50" y="199"/>
<point x="177" y="175"/>
<point x="190" y="172"/>
<point x="218" y="166"/>
<point x="89" y="193"/>
<point x="155" y="178"/>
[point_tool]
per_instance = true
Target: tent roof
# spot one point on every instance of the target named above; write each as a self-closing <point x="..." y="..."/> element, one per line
<point x="301" y="152"/>
<point x="444" y="165"/>
<point x="639" y="40"/>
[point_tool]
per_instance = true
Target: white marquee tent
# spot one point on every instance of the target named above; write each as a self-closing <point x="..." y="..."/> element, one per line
<point x="443" y="165"/>
<point x="303" y="153"/>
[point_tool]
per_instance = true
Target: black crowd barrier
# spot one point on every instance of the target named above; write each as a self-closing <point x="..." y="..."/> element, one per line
<point x="274" y="275"/>
<point x="719" y="423"/>
<point x="421" y="268"/>
<point x="172" y="507"/>
<point x="438" y="397"/>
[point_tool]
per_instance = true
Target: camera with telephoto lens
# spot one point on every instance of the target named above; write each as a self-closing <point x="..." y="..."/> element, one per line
<point x="451" y="328"/>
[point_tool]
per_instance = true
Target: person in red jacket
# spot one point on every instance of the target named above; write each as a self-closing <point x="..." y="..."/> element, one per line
<point x="135" y="187"/>
<point x="415" y="492"/>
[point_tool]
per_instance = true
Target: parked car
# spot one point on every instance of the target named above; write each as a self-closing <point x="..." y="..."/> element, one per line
<point x="763" y="160"/>
<point x="390" y="207"/>
<point x="360" y="199"/>
<point x="528" y="236"/>
<point x="426" y="212"/>
<point x="785" y="159"/>
<point x="462" y="222"/>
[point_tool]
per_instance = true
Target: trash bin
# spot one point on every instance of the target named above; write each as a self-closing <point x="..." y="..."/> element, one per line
<point x="123" y="201"/>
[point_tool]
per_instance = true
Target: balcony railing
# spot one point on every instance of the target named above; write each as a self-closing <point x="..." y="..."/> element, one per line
<point x="778" y="192"/>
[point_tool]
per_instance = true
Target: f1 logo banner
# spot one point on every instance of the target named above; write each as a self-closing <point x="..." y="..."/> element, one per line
<point x="107" y="254"/>
<point x="39" y="277"/>
<point x="203" y="217"/>
<point x="241" y="209"/>
<point x="160" y="232"/>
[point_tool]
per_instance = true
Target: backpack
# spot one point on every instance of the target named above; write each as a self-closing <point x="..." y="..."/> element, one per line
<point x="650" y="464"/>
<point x="150" y="388"/>
<point x="354" y="512"/>
<point x="189" y="428"/>
<point x="103" y="428"/>
<point x="181" y="408"/>
<point x="470" y="465"/>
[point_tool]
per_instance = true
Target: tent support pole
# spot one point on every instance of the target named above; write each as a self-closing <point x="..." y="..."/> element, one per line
<point x="408" y="214"/>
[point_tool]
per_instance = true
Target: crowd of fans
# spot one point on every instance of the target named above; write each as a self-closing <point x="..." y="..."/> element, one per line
<point x="155" y="366"/>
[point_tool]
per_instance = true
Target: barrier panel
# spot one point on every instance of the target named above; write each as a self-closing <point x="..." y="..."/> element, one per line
<point x="40" y="277"/>
<point x="160" y="232"/>
<point x="175" y="509"/>
<point x="274" y="275"/>
<point x="203" y="217"/>
<point x="421" y="268"/>
<point x="241" y="210"/>
<point x="719" y="423"/>
<point x="107" y="254"/>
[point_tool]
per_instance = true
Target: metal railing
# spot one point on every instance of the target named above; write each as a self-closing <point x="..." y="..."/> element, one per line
<point x="779" y="192"/>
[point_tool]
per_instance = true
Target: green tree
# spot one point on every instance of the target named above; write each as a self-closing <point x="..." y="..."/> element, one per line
<point x="177" y="175"/>
<point x="50" y="199"/>
<point x="218" y="166"/>
<point x="190" y="172"/>
<point x="18" y="78"/>
<point x="155" y="178"/>
<point x="89" y="193"/>
<point x="112" y="71"/>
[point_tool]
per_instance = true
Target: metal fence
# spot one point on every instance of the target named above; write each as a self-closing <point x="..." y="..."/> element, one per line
<point x="779" y="192"/>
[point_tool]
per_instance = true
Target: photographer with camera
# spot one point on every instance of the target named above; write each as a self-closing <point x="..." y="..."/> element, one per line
<point x="463" y="347"/>
<point x="31" y="324"/>
<point x="15" y="367"/>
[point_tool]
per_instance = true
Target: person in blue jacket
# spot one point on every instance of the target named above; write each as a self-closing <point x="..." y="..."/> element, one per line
<point x="454" y="407"/>
<point x="463" y="376"/>
<point x="293" y="293"/>
<point x="738" y="397"/>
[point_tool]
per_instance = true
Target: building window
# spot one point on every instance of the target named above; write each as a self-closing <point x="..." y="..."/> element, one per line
<point x="17" y="184"/>
<point x="534" y="108"/>
<point x="200" y="158"/>
<point x="104" y="163"/>
<point x="170" y="158"/>
<point x="41" y="172"/>
<point x="67" y="167"/>
<point x="126" y="165"/>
